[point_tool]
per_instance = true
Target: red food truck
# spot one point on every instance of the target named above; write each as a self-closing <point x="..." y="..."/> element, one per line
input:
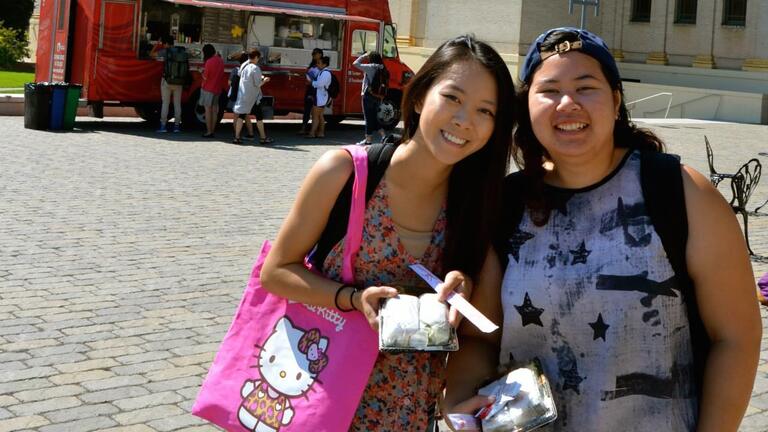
<point x="107" y="46"/>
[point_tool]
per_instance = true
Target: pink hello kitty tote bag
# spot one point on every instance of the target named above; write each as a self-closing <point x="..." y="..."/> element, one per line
<point x="290" y="367"/>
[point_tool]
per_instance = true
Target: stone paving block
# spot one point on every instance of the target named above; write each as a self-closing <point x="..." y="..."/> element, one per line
<point x="48" y="393"/>
<point x="87" y="327"/>
<point x="189" y="393"/>
<point x="11" y="366"/>
<point x="6" y="400"/>
<point x="5" y="414"/>
<point x="114" y="318"/>
<point x="84" y="425"/>
<point x="81" y="412"/>
<point x="19" y="423"/>
<point x="133" y="403"/>
<point x="116" y="381"/>
<point x="139" y="331"/>
<point x="58" y="349"/>
<point x="101" y="363"/>
<point x="144" y="357"/>
<point x="43" y="406"/>
<point x="115" y="352"/>
<point x="81" y="377"/>
<point x="27" y="345"/>
<point x="175" y="422"/>
<point x="28" y="384"/>
<point x="139" y="368"/>
<point x="115" y="343"/>
<point x="112" y="394"/>
<point x="24" y="374"/>
<point x="13" y="356"/>
<point x="169" y="334"/>
<point x="201" y="428"/>
<point x="57" y="359"/>
<point x="35" y="335"/>
<point x="65" y="325"/>
<point x="132" y="428"/>
<point x="175" y="384"/>
<point x="196" y="359"/>
<point x="173" y="373"/>
<point x="69" y="316"/>
<point x="87" y="337"/>
<point x="195" y="349"/>
<point x="164" y="344"/>
<point x="145" y="415"/>
<point x="160" y="313"/>
<point x="149" y="322"/>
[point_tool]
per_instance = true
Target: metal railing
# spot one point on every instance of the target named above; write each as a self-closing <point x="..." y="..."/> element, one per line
<point x="630" y="106"/>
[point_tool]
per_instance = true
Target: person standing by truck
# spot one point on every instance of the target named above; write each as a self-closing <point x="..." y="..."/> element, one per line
<point x="373" y="73"/>
<point x="213" y="85"/>
<point x="249" y="97"/>
<point x="321" y="84"/>
<point x="175" y="75"/>
<point x="310" y="92"/>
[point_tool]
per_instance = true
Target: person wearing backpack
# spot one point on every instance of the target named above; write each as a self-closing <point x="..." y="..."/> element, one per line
<point x="443" y="177"/>
<point x="324" y="97"/>
<point x="374" y="81"/>
<point x="641" y="321"/>
<point x="310" y="92"/>
<point x="175" y="75"/>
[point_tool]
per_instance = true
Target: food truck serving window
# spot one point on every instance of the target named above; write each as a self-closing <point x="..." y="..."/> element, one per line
<point x="288" y="40"/>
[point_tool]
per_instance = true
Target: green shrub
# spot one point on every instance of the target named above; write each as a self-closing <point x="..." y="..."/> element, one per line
<point x="12" y="49"/>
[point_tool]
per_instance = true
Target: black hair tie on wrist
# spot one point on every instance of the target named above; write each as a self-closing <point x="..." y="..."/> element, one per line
<point x="336" y="298"/>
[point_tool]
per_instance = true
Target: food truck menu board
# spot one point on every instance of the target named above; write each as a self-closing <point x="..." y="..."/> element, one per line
<point x="224" y="26"/>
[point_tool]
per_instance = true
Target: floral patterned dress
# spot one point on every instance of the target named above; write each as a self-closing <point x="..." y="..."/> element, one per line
<point x="403" y="390"/>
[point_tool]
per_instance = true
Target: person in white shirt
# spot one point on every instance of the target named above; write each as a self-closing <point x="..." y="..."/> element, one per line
<point x="249" y="97"/>
<point x="321" y="83"/>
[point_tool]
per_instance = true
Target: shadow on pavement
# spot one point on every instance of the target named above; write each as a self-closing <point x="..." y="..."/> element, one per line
<point x="284" y="132"/>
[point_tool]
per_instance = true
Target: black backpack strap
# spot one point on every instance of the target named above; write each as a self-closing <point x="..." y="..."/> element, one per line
<point x="512" y="214"/>
<point x="379" y="156"/>
<point x="662" y="183"/>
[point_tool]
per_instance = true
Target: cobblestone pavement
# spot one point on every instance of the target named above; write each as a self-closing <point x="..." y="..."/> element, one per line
<point x="123" y="255"/>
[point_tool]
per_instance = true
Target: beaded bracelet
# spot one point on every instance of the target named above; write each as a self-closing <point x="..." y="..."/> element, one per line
<point x="336" y="298"/>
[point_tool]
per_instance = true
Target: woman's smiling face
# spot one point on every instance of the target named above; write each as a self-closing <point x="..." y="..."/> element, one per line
<point x="573" y="108"/>
<point x="457" y="115"/>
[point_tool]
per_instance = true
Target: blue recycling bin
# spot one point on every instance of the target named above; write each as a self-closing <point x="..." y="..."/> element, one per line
<point x="58" y="104"/>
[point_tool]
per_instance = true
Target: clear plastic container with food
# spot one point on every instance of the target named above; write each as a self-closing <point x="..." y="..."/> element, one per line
<point x="523" y="401"/>
<point x="415" y="323"/>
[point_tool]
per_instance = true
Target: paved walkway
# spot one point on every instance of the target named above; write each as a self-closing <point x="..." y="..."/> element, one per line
<point x="123" y="255"/>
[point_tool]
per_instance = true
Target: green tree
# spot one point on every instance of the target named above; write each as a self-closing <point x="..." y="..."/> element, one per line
<point x="12" y="48"/>
<point x="16" y="15"/>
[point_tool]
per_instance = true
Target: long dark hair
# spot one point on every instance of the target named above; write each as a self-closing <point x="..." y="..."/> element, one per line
<point x="208" y="51"/>
<point x="475" y="183"/>
<point x="529" y="154"/>
<point x="375" y="57"/>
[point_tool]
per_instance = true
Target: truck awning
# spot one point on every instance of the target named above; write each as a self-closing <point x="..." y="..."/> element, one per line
<point x="271" y="9"/>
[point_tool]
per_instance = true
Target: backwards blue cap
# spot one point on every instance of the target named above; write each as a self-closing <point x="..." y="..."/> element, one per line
<point x="588" y="43"/>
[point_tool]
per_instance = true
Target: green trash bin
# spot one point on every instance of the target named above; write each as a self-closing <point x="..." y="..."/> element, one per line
<point x="70" y="106"/>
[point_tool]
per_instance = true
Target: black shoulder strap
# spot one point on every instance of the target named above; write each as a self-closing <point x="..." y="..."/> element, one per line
<point x="512" y="214"/>
<point x="379" y="156"/>
<point x="662" y="184"/>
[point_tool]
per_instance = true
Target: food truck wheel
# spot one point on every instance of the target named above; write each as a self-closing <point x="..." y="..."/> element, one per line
<point x="389" y="114"/>
<point x="194" y="114"/>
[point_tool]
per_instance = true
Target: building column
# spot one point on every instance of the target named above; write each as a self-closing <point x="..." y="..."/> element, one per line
<point x="657" y="58"/>
<point x="618" y="54"/>
<point x="704" y="61"/>
<point x="755" y="65"/>
<point x="403" y="13"/>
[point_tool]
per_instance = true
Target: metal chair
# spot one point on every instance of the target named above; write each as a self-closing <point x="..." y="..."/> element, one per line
<point x="743" y="183"/>
<point x="714" y="176"/>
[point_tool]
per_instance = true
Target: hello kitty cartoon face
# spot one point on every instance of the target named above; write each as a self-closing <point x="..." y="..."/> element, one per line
<point x="291" y="358"/>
